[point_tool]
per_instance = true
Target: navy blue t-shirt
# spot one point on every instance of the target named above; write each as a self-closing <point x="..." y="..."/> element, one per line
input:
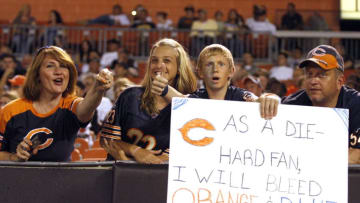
<point x="128" y="122"/>
<point x="348" y="99"/>
<point x="232" y="94"/>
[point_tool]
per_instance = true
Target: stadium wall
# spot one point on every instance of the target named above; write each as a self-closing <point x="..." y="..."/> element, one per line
<point x="72" y="11"/>
<point x="98" y="182"/>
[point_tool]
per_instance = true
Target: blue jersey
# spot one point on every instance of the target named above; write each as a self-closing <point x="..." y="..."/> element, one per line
<point x="128" y="122"/>
<point x="232" y="94"/>
<point x="348" y="99"/>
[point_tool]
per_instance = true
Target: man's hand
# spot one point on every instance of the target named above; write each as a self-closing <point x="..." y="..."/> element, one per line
<point x="268" y="105"/>
<point x="354" y="156"/>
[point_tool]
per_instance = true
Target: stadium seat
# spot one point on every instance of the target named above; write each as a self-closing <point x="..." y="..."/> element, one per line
<point x="130" y="41"/>
<point x="76" y="155"/>
<point x="96" y="144"/>
<point x="81" y="144"/>
<point x="5" y="33"/>
<point x="348" y="72"/>
<point x="259" y="44"/>
<point x="94" y="154"/>
<point x="184" y="39"/>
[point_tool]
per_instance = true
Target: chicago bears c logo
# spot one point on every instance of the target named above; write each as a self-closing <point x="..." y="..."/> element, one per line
<point x="318" y="52"/>
<point x="47" y="131"/>
<point x="197" y="123"/>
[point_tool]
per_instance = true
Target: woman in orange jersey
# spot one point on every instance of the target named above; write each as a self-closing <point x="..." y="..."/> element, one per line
<point x="42" y="126"/>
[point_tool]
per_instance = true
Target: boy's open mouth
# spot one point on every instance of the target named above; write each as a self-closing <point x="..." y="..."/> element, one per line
<point x="215" y="78"/>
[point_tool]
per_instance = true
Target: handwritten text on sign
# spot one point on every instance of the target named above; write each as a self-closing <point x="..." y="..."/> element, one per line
<point x="222" y="151"/>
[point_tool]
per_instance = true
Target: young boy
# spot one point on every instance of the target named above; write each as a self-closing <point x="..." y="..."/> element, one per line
<point x="216" y="67"/>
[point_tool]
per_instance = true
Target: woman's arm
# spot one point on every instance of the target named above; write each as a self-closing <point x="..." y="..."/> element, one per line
<point x="7" y="156"/>
<point x="115" y="148"/>
<point x="87" y="107"/>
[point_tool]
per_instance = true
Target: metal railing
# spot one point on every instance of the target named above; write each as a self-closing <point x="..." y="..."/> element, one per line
<point x="264" y="46"/>
<point x="26" y="39"/>
<point x="306" y="40"/>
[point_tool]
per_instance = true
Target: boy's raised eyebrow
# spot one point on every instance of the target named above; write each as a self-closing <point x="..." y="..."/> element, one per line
<point x="209" y="63"/>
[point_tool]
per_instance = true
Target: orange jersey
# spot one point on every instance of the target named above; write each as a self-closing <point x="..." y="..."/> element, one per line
<point x="56" y="129"/>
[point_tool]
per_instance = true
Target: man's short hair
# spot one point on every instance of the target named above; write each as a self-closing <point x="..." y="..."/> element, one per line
<point x="286" y="55"/>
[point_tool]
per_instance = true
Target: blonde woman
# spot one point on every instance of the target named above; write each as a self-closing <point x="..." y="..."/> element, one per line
<point x="139" y="124"/>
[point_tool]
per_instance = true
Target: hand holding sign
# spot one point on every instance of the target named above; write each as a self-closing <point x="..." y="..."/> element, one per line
<point x="354" y="156"/>
<point x="268" y="105"/>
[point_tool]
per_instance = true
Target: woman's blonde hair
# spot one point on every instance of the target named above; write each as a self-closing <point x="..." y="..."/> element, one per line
<point x="184" y="82"/>
<point x="212" y="50"/>
<point x="32" y="87"/>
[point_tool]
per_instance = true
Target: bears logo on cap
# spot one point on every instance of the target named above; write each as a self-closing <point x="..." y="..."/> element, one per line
<point x="318" y="51"/>
<point x="326" y="57"/>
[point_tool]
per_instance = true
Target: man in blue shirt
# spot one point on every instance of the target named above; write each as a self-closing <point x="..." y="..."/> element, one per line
<point x="324" y="87"/>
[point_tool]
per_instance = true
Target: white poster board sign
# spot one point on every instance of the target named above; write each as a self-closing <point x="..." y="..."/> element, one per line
<point x="223" y="151"/>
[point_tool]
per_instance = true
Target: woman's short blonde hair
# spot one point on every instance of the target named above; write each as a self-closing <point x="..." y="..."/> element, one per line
<point x="32" y="87"/>
<point x="212" y="50"/>
<point x="185" y="81"/>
